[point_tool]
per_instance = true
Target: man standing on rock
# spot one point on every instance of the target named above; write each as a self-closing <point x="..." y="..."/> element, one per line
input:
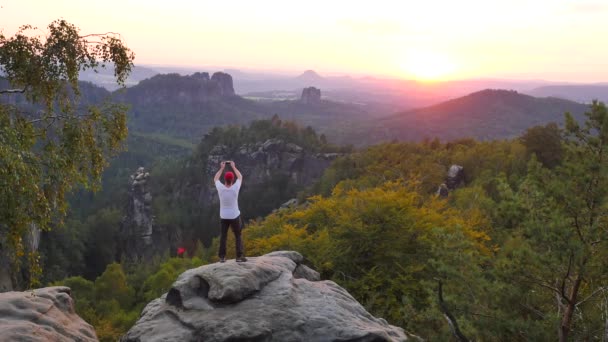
<point x="230" y="216"/>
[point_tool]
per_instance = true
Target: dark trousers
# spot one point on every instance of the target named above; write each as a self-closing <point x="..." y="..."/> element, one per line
<point x="236" y="229"/>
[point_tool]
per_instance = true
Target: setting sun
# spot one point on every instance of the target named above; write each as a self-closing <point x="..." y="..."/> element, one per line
<point x="427" y="66"/>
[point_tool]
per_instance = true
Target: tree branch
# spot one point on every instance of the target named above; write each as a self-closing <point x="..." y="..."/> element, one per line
<point x="544" y="284"/>
<point x="533" y="310"/>
<point x="12" y="91"/>
<point x="98" y="35"/>
<point x="591" y="295"/>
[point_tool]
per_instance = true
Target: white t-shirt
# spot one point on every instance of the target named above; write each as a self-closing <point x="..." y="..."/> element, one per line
<point x="229" y="199"/>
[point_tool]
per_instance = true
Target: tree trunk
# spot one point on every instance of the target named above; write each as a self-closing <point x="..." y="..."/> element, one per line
<point x="448" y="315"/>
<point x="569" y="312"/>
<point x="605" y="314"/>
<point x="6" y="279"/>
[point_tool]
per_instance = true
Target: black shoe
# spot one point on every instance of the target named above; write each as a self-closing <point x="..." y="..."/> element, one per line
<point x="241" y="259"/>
<point x="222" y="259"/>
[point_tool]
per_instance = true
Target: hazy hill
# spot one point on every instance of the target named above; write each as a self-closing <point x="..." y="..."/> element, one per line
<point x="310" y="77"/>
<point x="104" y="77"/>
<point x="581" y="93"/>
<point x="380" y="92"/>
<point x="89" y="94"/>
<point x="487" y="114"/>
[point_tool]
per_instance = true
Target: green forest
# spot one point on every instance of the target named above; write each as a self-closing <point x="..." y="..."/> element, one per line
<point x="517" y="252"/>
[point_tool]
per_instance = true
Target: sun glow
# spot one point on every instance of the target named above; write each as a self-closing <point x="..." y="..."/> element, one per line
<point x="427" y="66"/>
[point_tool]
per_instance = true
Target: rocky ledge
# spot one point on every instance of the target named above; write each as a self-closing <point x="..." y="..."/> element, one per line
<point x="45" y="314"/>
<point x="268" y="298"/>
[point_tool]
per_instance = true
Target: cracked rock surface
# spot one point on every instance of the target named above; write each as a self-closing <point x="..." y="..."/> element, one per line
<point x="45" y="314"/>
<point x="268" y="298"/>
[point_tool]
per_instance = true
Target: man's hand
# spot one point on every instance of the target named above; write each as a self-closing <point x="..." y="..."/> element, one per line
<point x="223" y="164"/>
<point x="238" y="173"/>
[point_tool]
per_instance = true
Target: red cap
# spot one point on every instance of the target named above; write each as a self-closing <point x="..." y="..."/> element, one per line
<point x="229" y="176"/>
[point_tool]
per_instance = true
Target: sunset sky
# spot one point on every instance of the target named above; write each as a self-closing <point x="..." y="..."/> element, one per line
<point x="558" y="40"/>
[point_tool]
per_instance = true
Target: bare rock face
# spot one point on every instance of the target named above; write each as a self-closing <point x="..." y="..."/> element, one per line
<point x="192" y="89"/>
<point x="140" y="238"/>
<point x="453" y="180"/>
<point x="224" y="82"/>
<point x="137" y="225"/>
<point x="45" y="314"/>
<point x="455" y="177"/>
<point x="311" y="95"/>
<point x="268" y="298"/>
<point x="261" y="160"/>
<point x="273" y="155"/>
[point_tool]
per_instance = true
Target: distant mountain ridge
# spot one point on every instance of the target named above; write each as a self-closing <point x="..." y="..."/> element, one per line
<point x="484" y="115"/>
<point x="581" y="93"/>
<point x="189" y="106"/>
<point x="186" y="107"/>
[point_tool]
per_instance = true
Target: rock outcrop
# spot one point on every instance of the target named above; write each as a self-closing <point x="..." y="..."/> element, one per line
<point x="261" y="160"/>
<point x="45" y="314"/>
<point x="291" y="203"/>
<point x="137" y="225"/>
<point x="224" y="82"/>
<point x="140" y="238"/>
<point x="187" y="90"/>
<point x="269" y="298"/>
<point x="311" y="95"/>
<point x="455" y="177"/>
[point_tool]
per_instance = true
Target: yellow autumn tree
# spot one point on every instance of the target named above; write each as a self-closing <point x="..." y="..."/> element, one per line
<point x="388" y="245"/>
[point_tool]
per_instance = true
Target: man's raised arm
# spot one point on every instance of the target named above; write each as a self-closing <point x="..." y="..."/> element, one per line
<point x="219" y="173"/>
<point x="237" y="172"/>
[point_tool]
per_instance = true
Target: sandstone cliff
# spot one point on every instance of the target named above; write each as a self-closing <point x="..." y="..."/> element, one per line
<point x="260" y="161"/>
<point x="140" y="237"/>
<point x="185" y="90"/>
<point x="311" y="95"/>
